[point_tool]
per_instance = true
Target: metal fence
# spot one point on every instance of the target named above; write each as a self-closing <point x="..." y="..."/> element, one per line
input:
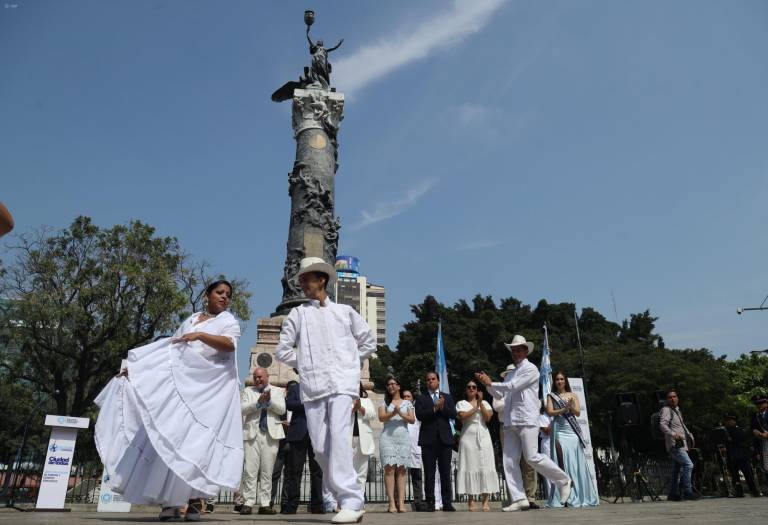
<point x="613" y="479"/>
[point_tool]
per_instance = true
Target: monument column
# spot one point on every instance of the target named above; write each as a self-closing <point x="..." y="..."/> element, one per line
<point x="314" y="228"/>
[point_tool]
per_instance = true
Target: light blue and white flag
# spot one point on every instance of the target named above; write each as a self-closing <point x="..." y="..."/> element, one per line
<point x="440" y="366"/>
<point x="442" y="369"/>
<point x="545" y="370"/>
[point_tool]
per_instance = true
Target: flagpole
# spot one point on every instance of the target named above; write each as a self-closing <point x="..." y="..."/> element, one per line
<point x="581" y="350"/>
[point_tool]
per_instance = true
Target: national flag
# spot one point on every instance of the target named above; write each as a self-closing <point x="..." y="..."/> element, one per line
<point x="545" y="370"/>
<point x="440" y="366"/>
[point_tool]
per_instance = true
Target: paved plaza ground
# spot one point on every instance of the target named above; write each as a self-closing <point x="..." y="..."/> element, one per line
<point x="707" y="511"/>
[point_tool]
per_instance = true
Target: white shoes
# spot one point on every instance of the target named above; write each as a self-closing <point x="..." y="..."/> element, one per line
<point x="517" y="505"/>
<point x="565" y="492"/>
<point x="348" y="516"/>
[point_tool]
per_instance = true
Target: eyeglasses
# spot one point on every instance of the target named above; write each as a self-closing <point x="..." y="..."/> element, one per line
<point x="391" y="384"/>
<point x="471" y="387"/>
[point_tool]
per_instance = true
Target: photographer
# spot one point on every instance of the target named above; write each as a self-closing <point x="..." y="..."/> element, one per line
<point x="677" y="438"/>
<point x="738" y="457"/>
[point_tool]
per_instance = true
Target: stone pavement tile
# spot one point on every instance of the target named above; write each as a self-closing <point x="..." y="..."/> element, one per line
<point x="704" y="512"/>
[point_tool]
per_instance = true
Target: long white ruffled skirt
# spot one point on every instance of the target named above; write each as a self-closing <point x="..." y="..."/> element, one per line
<point x="172" y="430"/>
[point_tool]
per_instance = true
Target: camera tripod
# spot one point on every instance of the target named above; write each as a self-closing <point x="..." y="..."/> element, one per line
<point x="637" y="486"/>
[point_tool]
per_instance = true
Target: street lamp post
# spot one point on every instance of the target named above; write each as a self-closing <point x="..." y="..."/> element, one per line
<point x="762" y="306"/>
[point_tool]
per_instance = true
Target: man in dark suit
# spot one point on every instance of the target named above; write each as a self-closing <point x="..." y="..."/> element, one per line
<point x="434" y="410"/>
<point x="297" y="437"/>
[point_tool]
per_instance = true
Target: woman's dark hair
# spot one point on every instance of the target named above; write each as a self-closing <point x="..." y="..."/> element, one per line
<point x="363" y="393"/>
<point x="387" y="397"/>
<point x="477" y="388"/>
<point x="215" y="284"/>
<point x="567" y="384"/>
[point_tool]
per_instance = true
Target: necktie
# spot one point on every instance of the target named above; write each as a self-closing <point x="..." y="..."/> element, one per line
<point x="263" y="417"/>
<point x="434" y="397"/>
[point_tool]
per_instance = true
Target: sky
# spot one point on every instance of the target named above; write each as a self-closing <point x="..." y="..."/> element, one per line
<point x="597" y="152"/>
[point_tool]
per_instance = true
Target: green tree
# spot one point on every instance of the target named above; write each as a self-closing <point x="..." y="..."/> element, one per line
<point x="82" y="297"/>
<point x="748" y="376"/>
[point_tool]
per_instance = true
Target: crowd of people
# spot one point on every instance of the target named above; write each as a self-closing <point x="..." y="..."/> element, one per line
<point x="175" y="429"/>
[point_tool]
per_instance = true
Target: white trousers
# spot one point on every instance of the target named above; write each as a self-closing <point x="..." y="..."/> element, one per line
<point x="524" y="440"/>
<point x="330" y="425"/>
<point x="260" y="455"/>
<point x="360" y="462"/>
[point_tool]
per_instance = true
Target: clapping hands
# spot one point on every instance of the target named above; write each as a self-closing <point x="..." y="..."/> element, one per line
<point x="265" y="396"/>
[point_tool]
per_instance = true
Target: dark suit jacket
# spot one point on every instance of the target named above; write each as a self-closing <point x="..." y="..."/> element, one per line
<point x="757" y="424"/>
<point x="435" y="426"/>
<point x="297" y="430"/>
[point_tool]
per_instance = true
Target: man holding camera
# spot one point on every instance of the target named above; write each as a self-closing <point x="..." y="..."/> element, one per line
<point x="676" y="438"/>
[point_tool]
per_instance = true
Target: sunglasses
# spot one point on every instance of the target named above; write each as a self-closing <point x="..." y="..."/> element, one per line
<point x="471" y="387"/>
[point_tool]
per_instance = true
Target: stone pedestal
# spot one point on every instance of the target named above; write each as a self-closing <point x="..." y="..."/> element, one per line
<point x="263" y="355"/>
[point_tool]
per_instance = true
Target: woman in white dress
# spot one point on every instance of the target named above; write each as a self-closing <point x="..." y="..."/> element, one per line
<point x="477" y="466"/>
<point x="170" y="427"/>
<point x="395" y="442"/>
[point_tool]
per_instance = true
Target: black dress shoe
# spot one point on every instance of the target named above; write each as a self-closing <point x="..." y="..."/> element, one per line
<point x="269" y="511"/>
<point x="691" y="496"/>
<point x="429" y="507"/>
<point x="673" y="497"/>
<point x="316" y="510"/>
<point x="245" y="510"/>
<point x="449" y="508"/>
<point x="287" y="511"/>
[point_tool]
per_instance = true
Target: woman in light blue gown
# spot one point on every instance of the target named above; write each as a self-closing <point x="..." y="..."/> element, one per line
<point x="567" y="444"/>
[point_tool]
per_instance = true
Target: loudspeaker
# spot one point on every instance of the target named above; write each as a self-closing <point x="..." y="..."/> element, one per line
<point x="627" y="411"/>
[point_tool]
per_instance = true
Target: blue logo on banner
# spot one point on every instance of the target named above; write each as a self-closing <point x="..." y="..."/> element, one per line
<point x="62" y="448"/>
<point x="61" y="419"/>
<point x="106" y="498"/>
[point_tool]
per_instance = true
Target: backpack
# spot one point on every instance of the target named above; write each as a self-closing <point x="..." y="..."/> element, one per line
<point x="656" y="432"/>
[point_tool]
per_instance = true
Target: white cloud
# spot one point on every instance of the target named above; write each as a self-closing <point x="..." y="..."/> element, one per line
<point x="374" y="61"/>
<point x="386" y="210"/>
<point x="480" y="244"/>
<point x="471" y="113"/>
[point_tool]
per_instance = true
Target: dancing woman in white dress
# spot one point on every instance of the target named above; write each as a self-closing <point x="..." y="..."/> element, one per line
<point x="170" y="426"/>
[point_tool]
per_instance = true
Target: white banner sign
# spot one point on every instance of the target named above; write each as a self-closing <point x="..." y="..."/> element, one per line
<point x="58" y="460"/>
<point x="108" y="500"/>
<point x="58" y="463"/>
<point x="66" y="421"/>
<point x="577" y="387"/>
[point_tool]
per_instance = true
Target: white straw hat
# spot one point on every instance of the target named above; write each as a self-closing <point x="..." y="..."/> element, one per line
<point x="507" y="370"/>
<point x="317" y="264"/>
<point x="519" y="340"/>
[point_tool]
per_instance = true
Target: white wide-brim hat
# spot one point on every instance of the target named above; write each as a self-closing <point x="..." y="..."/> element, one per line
<point x="317" y="264"/>
<point x="519" y="340"/>
<point x="506" y="371"/>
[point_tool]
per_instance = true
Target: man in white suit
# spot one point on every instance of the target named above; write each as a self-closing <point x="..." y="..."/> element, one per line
<point x="521" y="425"/>
<point x="262" y="431"/>
<point x="363" y="446"/>
<point x="328" y="343"/>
